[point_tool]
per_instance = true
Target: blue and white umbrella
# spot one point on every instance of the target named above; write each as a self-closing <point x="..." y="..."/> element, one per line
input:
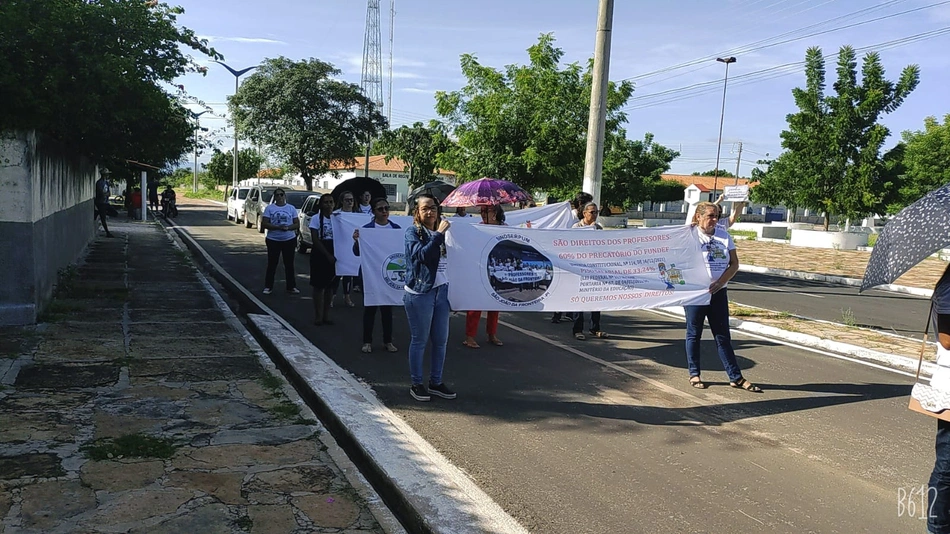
<point x="909" y="237"/>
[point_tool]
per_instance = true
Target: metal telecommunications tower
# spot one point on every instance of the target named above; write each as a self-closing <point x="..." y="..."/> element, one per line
<point x="371" y="82"/>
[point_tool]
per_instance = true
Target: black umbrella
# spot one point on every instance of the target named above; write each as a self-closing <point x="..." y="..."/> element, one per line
<point x="357" y="186"/>
<point x="915" y="233"/>
<point x="437" y="188"/>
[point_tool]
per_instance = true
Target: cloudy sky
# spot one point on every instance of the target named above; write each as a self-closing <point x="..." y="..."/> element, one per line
<point x="668" y="48"/>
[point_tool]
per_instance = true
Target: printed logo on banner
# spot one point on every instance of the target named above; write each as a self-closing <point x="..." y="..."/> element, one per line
<point x="394" y="270"/>
<point x="517" y="273"/>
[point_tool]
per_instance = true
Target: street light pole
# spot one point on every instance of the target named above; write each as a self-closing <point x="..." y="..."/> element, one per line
<point x="722" y="115"/>
<point x="195" y="116"/>
<point x="237" y="76"/>
<point x="594" y="159"/>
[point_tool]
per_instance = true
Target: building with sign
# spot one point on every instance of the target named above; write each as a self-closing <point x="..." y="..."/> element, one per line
<point x="393" y="175"/>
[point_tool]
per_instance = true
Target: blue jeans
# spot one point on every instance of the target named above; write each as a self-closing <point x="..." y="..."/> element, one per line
<point x="938" y="494"/>
<point x="717" y="311"/>
<point x="428" y="316"/>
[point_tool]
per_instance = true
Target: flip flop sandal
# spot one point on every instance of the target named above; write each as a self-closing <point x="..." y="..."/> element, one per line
<point x="471" y="345"/>
<point x="696" y="382"/>
<point x="496" y="342"/>
<point x="599" y="334"/>
<point x="742" y="383"/>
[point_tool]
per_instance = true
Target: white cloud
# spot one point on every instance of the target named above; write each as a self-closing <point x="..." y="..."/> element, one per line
<point x="418" y="90"/>
<point x="406" y="75"/>
<point x="255" y="40"/>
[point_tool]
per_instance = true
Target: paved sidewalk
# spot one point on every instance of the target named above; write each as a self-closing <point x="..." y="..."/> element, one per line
<point x="139" y="405"/>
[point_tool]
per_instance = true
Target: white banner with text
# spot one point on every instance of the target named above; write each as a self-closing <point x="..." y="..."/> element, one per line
<point x="498" y="268"/>
<point x="383" y="258"/>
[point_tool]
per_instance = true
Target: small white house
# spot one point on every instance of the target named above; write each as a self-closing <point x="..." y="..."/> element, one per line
<point x="393" y="176"/>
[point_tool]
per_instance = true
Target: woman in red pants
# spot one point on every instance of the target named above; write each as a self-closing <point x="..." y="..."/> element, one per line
<point x="490" y="215"/>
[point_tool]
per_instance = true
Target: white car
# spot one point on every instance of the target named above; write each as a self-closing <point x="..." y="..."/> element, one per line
<point x="236" y="203"/>
<point x="305" y="213"/>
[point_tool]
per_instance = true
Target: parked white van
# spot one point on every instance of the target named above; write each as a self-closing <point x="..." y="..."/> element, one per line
<point x="236" y="203"/>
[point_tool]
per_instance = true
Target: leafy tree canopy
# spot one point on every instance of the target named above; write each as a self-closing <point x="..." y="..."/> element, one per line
<point x="418" y="147"/>
<point x="221" y="167"/>
<point x="528" y="125"/>
<point x="712" y="172"/>
<point x="89" y="75"/>
<point x="305" y="115"/>
<point x="921" y="163"/>
<point x="832" y="160"/>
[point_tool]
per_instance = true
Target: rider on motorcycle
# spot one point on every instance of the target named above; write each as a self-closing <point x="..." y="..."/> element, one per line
<point x="168" y="200"/>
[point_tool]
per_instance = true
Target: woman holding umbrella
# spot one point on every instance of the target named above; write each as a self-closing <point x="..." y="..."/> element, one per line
<point x="427" y="297"/>
<point x="490" y="215"/>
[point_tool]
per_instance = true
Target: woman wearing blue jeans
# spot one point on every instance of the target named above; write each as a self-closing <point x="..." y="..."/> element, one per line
<point x="427" y="297"/>
<point x="722" y="263"/>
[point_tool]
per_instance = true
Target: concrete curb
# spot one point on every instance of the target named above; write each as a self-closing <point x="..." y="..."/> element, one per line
<point x="893" y="361"/>
<point x="426" y="492"/>
<point x="855" y="282"/>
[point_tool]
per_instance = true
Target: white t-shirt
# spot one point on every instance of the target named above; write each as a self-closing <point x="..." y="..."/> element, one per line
<point x="595" y="226"/>
<point x="366" y="209"/>
<point x="315" y="233"/>
<point x="716" y="249"/>
<point x="280" y="216"/>
<point x="941" y="305"/>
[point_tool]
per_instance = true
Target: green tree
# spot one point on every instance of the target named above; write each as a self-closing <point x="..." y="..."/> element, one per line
<point x="527" y="124"/>
<point x="305" y="115"/>
<point x="418" y="147"/>
<point x="221" y="166"/>
<point x="712" y="172"/>
<point x="89" y="75"/>
<point x="924" y="162"/>
<point x="832" y="160"/>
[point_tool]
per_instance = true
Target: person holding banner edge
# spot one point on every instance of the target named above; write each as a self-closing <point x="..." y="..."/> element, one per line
<point x="380" y="220"/>
<point x="588" y="213"/>
<point x="494" y="215"/>
<point x="426" y="297"/>
<point x="722" y="263"/>
<point x="322" y="261"/>
<point x="580" y="200"/>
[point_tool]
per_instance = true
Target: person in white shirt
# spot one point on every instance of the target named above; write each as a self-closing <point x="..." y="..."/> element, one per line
<point x="722" y="263"/>
<point x="380" y="220"/>
<point x="365" y="206"/>
<point x="588" y="213"/>
<point x="280" y="221"/>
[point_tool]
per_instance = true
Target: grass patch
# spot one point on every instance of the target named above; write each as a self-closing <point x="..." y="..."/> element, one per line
<point x="57" y="310"/>
<point x="748" y="234"/>
<point x="206" y="194"/>
<point x="244" y="523"/>
<point x="129" y="446"/>
<point x="872" y="239"/>
<point x="286" y="410"/>
<point x="272" y="383"/>
<point x="847" y="317"/>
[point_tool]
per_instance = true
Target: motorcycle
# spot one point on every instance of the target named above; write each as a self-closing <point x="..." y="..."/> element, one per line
<point x="169" y="209"/>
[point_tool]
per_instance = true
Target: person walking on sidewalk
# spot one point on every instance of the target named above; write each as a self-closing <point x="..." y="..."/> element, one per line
<point x="938" y="491"/>
<point x="103" y="192"/>
<point x="588" y="213"/>
<point x="494" y="215"/>
<point x="722" y="263"/>
<point x="427" y="297"/>
<point x="280" y="221"/>
<point x="380" y="220"/>
<point x="322" y="261"/>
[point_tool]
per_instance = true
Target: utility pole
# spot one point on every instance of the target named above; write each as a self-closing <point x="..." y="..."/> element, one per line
<point x="197" y="127"/>
<point x="594" y="160"/>
<point x="722" y="115"/>
<point x="371" y="81"/>
<point x="738" y="160"/>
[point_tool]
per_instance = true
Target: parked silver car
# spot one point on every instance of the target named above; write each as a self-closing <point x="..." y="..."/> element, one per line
<point x="306" y="212"/>
<point x="257" y="199"/>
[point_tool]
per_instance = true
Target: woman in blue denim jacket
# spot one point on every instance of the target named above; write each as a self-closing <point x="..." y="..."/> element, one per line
<point x="427" y="297"/>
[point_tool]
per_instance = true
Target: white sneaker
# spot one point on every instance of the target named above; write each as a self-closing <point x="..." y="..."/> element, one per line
<point x="391" y="348"/>
<point x="294" y="291"/>
<point x="367" y="347"/>
<point x="267" y="291"/>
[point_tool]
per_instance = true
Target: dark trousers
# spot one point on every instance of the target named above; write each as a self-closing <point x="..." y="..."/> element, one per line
<point x="369" y="318"/>
<point x="938" y="490"/>
<point x="579" y="322"/>
<point x="275" y="251"/>
<point x="717" y="312"/>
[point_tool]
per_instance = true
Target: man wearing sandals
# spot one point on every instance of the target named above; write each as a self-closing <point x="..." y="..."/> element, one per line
<point x="722" y="263"/>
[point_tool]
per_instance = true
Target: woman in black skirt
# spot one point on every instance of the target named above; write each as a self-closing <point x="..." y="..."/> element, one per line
<point x="322" y="261"/>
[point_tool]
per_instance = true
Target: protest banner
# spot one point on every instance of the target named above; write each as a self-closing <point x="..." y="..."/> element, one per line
<point x="347" y="264"/>
<point x="499" y="268"/>
<point x="383" y="258"/>
<point x="735" y="193"/>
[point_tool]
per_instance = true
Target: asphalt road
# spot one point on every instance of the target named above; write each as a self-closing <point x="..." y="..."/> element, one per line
<point x="607" y="436"/>
<point x="881" y="310"/>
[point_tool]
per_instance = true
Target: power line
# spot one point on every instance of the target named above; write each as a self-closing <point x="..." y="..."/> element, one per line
<point x="766" y="43"/>
<point x="699" y="88"/>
